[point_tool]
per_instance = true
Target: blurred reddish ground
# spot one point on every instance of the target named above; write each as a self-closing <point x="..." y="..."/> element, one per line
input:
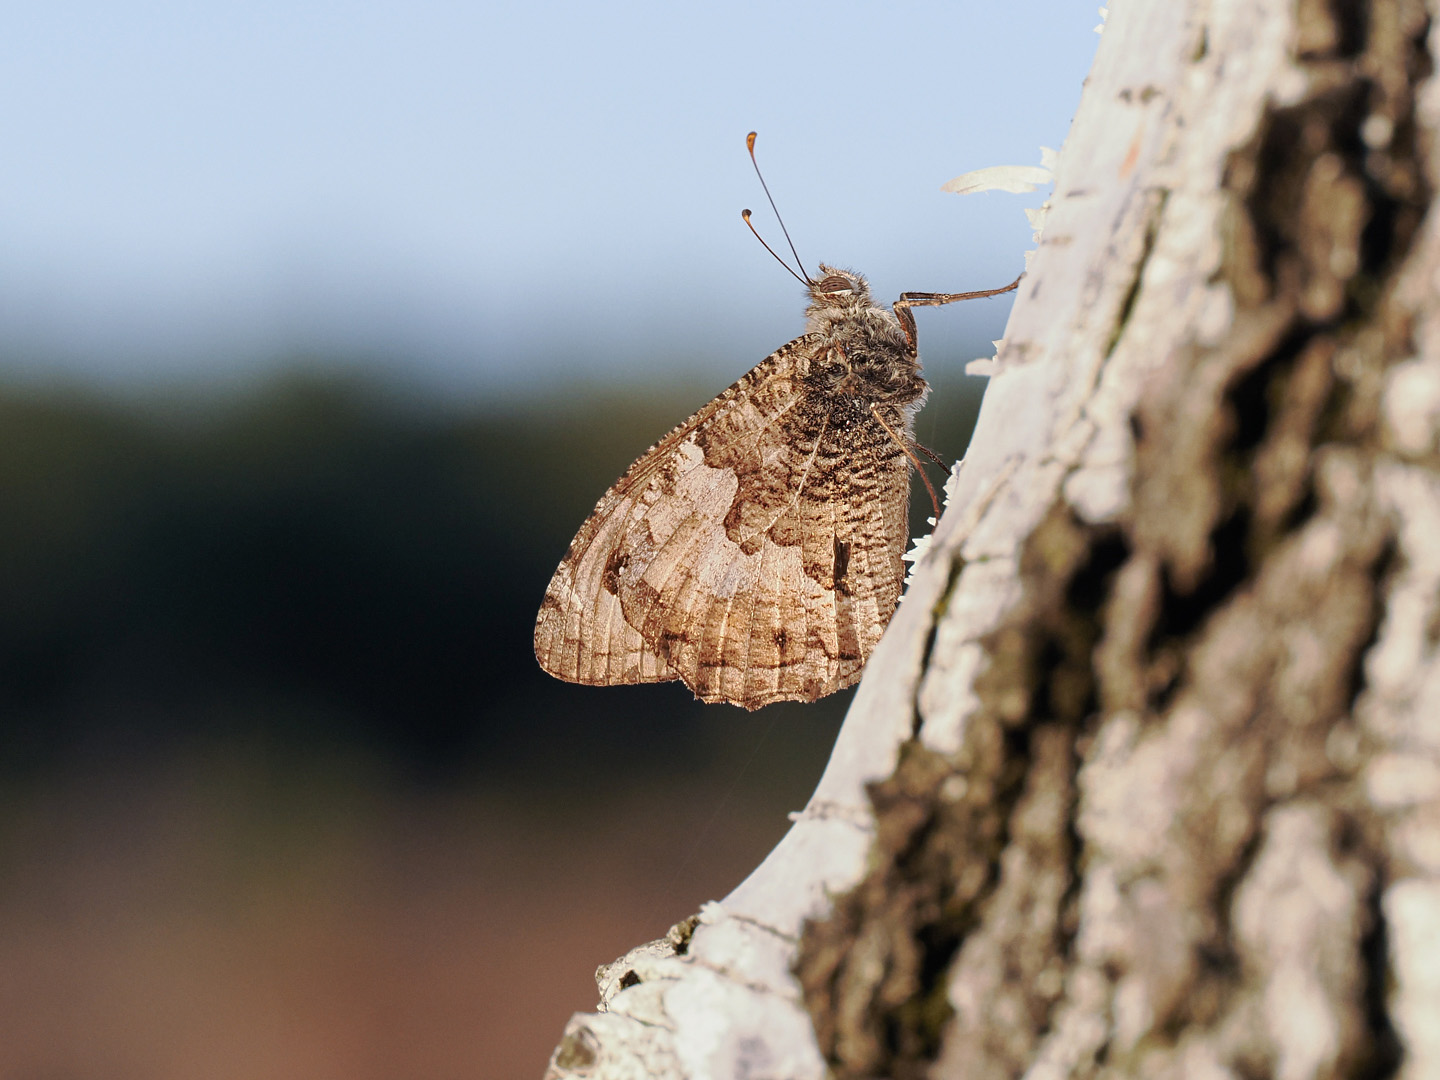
<point x="215" y="921"/>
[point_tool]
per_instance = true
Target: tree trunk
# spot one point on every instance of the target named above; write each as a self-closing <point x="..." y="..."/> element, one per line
<point x="1144" y="778"/>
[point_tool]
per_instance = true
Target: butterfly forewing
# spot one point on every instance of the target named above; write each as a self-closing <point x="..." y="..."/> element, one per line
<point x="754" y="552"/>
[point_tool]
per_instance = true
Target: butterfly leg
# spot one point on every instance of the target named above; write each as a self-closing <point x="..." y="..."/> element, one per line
<point x="934" y="500"/>
<point x="908" y="300"/>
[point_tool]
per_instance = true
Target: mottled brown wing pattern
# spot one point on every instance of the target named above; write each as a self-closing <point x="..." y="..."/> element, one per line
<point x="754" y="552"/>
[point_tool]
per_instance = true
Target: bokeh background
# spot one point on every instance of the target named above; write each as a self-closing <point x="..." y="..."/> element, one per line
<point x="322" y="327"/>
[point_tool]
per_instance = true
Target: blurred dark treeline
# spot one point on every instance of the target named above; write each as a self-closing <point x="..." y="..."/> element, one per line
<point x="283" y="791"/>
<point x="319" y="563"/>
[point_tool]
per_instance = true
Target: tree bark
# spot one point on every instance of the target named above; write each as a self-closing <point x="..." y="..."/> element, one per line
<point x="1144" y="778"/>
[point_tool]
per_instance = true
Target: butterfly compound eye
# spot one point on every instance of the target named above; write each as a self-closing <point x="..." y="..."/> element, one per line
<point x="834" y="283"/>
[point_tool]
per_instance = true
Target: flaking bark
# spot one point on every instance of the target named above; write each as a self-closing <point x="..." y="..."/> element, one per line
<point x="1144" y="780"/>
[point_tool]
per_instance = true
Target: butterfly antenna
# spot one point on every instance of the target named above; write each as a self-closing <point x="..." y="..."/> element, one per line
<point x="745" y="214"/>
<point x="750" y="145"/>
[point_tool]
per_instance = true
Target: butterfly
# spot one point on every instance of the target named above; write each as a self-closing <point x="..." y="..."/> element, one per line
<point x="754" y="552"/>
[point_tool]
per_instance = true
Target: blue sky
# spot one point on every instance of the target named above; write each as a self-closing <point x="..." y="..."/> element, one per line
<point x="485" y="196"/>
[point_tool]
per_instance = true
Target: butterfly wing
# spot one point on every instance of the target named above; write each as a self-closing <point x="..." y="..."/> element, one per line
<point x="754" y="552"/>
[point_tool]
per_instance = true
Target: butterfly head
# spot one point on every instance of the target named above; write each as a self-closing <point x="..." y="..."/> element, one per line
<point x="836" y="295"/>
<point x="862" y="351"/>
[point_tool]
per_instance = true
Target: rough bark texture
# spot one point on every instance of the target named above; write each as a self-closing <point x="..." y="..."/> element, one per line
<point x="1144" y="779"/>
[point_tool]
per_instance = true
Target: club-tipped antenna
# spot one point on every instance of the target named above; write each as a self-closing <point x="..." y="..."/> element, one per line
<point x="745" y="214"/>
<point x="750" y="145"/>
